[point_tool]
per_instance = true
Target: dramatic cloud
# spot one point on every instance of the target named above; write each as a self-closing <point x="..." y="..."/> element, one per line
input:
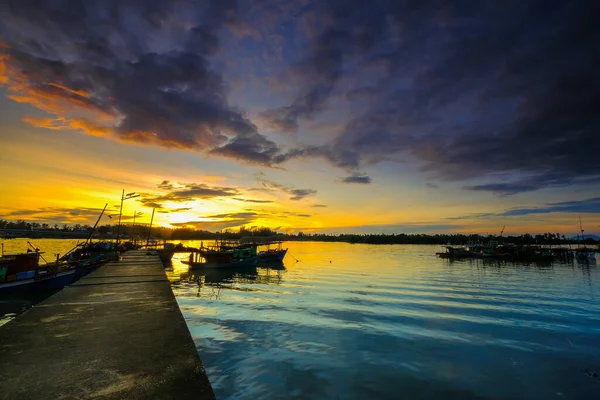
<point x="186" y="192"/>
<point x="133" y="71"/>
<point x="56" y="214"/>
<point x="211" y="226"/>
<point x="295" y="214"/>
<point x="502" y="95"/>
<point x="181" y="209"/>
<point x="268" y="185"/>
<point x="469" y="91"/>
<point x="299" y="194"/>
<point x="502" y="188"/>
<point x="166" y="185"/>
<point x="591" y="206"/>
<point x="397" y="229"/>
<point x="252" y="200"/>
<point x="235" y="216"/>
<point x="357" y="179"/>
<point x="221" y="221"/>
<point x="340" y="31"/>
<point x="588" y="206"/>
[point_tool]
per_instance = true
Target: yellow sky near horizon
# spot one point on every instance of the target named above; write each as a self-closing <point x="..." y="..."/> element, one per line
<point x="66" y="177"/>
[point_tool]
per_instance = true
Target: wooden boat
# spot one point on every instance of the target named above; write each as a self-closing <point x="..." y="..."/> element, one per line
<point x="269" y="254"/>
<point x="226" y="251"/>
<point x="22" y="271"/>
<point x="455" y="252"/>
<point x="165" y="250"/>
<point x="272" y="254"/>
<point x="232" y="263"/>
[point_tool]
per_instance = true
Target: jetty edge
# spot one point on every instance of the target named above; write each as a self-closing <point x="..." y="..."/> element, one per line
<point x="117" y="333"/>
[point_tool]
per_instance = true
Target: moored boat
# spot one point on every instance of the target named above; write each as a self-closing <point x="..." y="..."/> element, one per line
<point x="455" y="252"/>
<point x="269" y="254"/>
<point x="22" y="271"/>
<point x="272" y="254"/>
<point x="224" y="255"/>
<point x="232" y="263"/>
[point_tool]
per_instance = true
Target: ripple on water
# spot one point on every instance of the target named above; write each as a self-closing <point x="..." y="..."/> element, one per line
<point x="387" y="321"/>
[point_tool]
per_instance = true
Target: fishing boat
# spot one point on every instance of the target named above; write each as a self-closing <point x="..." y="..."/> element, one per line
<point x="272" y="254"/>
<point x="269" y="254"/>
<point x="221" y="262"/>
<point x="22" y="271"/>
<point x="224" y="254"/>
<point x="239" y="263"/>
<point x="455" y="252"/>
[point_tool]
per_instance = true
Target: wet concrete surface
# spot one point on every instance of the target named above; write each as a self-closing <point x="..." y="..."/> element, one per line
<point x="117" y="333"/>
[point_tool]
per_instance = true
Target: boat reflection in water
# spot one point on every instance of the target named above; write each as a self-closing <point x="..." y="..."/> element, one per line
<point x="184" y="278"/>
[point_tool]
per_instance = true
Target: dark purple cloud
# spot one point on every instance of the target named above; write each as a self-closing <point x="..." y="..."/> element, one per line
<point x="479" y="90"/>
<point x="363" y="179"/>
<point x="269" y="186"/>
<point x="134" y="71"/>
<point x="587" y="206"/>
<point x="502" y="188"/>
<point x="504" y="94"/>
<point x="252" y="200"/>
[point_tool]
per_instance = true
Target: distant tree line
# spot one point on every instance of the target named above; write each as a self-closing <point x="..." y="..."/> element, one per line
<point x="29" y="226"/>
<point x="140" y="231"/>
<point x="448" y="238"/>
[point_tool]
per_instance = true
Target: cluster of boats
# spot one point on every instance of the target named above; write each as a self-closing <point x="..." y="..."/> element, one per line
<point x="242" y="254"/>
<point x="24" y="271"/>
<point x="512" y="252"/>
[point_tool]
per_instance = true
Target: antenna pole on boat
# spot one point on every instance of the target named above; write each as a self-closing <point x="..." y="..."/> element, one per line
<point x="95" y="225"/>
<point x="581" y="229"/>
<point x="37" y="250"/>
<point x="150" y="228"/>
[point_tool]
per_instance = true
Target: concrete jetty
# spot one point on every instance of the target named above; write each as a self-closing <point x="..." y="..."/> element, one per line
<point x="118" y="333"/>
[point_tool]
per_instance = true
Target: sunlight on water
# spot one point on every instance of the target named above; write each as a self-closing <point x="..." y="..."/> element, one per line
<point x="385" y="322"/>
<point x="361" y="321"/>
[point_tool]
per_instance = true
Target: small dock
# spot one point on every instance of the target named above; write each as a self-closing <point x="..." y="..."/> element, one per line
<point x="117" y="333"/>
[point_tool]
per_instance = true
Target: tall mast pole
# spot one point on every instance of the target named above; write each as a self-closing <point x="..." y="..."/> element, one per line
<point x="96" y="224"/>
<point x="120" y="213"/>
<point x="150" y="228"/>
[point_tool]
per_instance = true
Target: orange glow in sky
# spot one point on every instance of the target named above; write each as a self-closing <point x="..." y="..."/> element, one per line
<point x="228" y="131"/>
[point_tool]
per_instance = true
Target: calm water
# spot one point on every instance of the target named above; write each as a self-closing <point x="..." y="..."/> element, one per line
<point x="386" y="322"/>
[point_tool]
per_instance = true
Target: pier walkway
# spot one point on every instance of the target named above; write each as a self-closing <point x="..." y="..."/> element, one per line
<point x="118" y="333"/>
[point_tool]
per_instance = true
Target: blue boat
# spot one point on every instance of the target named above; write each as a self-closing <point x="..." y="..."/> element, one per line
<point x="271" y="255"/>
<point x="233" y="263"/>
<point x="276" y="254"/>
<point x="22" y="271"/>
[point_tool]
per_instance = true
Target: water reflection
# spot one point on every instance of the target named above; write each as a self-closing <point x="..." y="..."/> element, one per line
<point x="386" y="322"/>
<point x="354" y="322"/>
<point x="210" y="282"/>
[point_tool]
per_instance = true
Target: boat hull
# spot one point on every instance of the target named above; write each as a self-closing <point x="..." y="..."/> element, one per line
<point x="274" y="255"/>
<point x="244" y="263"/>
<point x="50" y="280"/>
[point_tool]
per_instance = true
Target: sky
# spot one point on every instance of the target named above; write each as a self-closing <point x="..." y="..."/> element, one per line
<point x="315" y="116"/>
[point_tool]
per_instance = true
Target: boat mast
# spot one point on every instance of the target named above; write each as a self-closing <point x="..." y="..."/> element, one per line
<point x="95" y="225"/>
<point x="581" y="229"/>
<point x="150" y="228"/>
